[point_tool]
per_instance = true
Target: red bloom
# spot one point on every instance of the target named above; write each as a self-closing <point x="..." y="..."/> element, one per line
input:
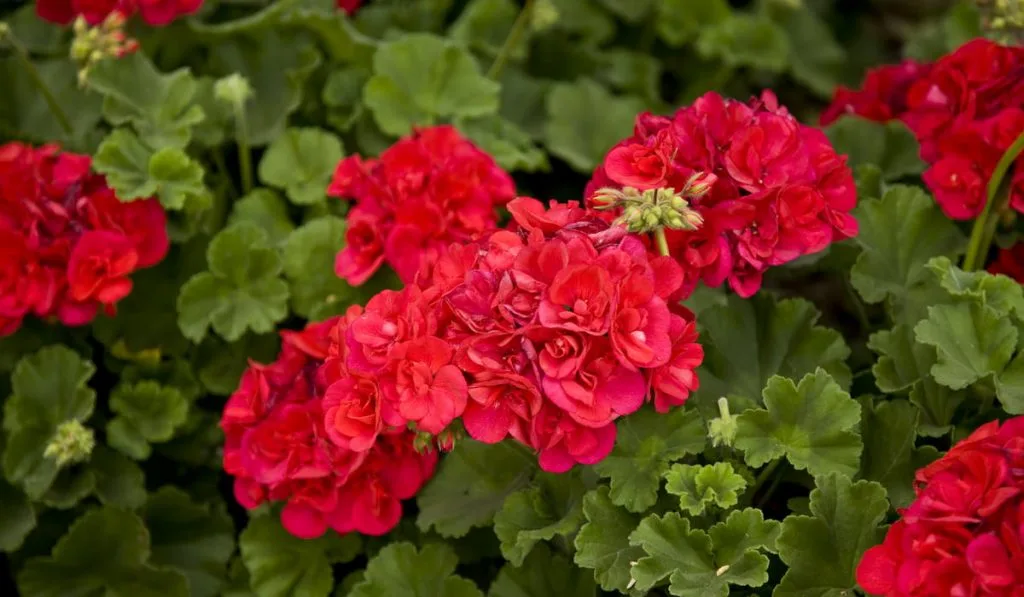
<point x="962" y="535"/>
<point x="352" y="411"/>
<point x="641" y="166"/>
<point x="154" y="12"/>
<point x="883" y="96"/>
<point x="349" y="6"/>
<point x="68" y="244"/>
<point x="674" y="381"/>
<point x="1010" y="262"/>
<point x="423" y="386"/>
<point x="423" y="193"/>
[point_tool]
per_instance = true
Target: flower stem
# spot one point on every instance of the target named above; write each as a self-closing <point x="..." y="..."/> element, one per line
<point x="513" y="36"/>
<point x="244" y="153"/>
<point x="765" y="474"/>
<point x="37" y="79"/>
<point x="659" y="237"/>
<point x="998" y="196"/>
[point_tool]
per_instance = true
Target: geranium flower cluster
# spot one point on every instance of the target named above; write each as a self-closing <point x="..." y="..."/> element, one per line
<point x="423" y="193"/>
<point x="777" y="189"/>
<point x="964" y="533"/>
<point x="156" y="13"/>
<point x="67" y="244"/>
<point x="280" y="444"/>
<point x="965" y="109"/>
<point x="1009" y="262"/>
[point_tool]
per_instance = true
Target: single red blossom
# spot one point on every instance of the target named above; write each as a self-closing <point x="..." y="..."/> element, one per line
<point x="883" y="96"/>
<point x="349" y="6"/>
<point x="674" y="381"/>
<point x="422" y="386"/>
<point x="641" y="166"/>
<point x="561" y="442"/>
<point x="99" y="267"/>
<point x="352" y="412"/>
<point x="157" y="13"/>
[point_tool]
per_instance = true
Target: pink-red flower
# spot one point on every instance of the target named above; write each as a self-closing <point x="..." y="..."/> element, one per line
<point x="423" y="193"/>
<point x="777" y="190"/>
<point x="154" y="12"/>
<point x="68" y="246"/>
<point x="964" y="532"/>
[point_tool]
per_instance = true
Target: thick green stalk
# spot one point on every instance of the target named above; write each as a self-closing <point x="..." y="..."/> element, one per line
<point x="998" y="196"/>
<point x="37" y="79"/>
<point x="244" y="153"/>
<point x="659" y="237"/>
<point x="518" y="28"/>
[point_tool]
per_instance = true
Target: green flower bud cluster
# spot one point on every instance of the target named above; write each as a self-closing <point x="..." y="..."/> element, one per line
<point x="1003" y="19"/>
<point x="93" y="44"/>
<point x="722" y="430"/>
<point x="654" y="209"/>
<point x="73" y="442"/>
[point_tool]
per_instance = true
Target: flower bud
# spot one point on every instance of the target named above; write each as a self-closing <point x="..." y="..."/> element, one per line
<point x="73" y="442"/>
<point x="699" y="184"/>
<point x="233" y="89"/>
<point x="722" y="430"/>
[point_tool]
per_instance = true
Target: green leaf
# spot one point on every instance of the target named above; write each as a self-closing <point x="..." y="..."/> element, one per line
<point x="48" y="388"/>
<point x="680" y="21"/>
<point x="632" y="72"/>
<point x="899" y="234"/>
<point x="544" y="574"/>
<point x="135" y="171"/>
<point x="309" y="265"/>
<point x="746" y="40"/>
<point x="105" y="552"/>
<point x="573" y="135"/>
<point x="890" y="454"/>
<point x="646" y="443"/>
<point x="1000" y="292"/>
<point x="484" y="25"/>
<point x="266" y="209"/>
<point x="522" y="101"/>
<point x="301" y="162"/>
<point x="159" y="106"/>
<point x="119" y="481"/>
<point x="972" y="342"/>
<point x="704" y="564"/>
<point x="811" y="423"/>
<point x="401" y="569"/>
<point x="891" y="145"/>
<point x="603" y="542"/>
<point x="746" y="342"/>
<point x="146" y="413"/>
<point x="422" y="79"/>
<point x="822" y="550"/>
<point x="195" y="539"/>
<point x="280" y="563"/>
<point x="552" y="506"/>
<point x="699" y="486"/>
<point x="242" y="291"/>
<point x="1010" y="386"/>
<point x="632" y="11"/>
<point x="17" y="518"/>
<point x="223" y="363"/>
<point x="24" y="115"/>
<point x="509" y="145"/>
<point x="471" y="485"/>
<point x="903" y="363"/>
<point x="343" y="96"/>
<point x="277" y="66"/>
<point x="820" y="70"/>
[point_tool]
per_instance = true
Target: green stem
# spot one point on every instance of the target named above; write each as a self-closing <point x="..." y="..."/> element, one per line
<point x="768" y="492"/>
<point x="998" y="195"/>
<point x="764" y="476"/>
<point x="244" y="154"/>
<point x="37" y="79"/>
<point x="513" y="37"/>
<point x="659" y="237"/>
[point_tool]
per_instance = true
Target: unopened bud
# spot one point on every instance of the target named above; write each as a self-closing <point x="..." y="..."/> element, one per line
<point x="699" y="184"/>
<point x="80" y="26"/>
<point x="73" y="442"/>
<point x="722" y="430"/>
<point x="233" y="89"/>
<point x="545" y="14"/>
<point x="446" y="440"/>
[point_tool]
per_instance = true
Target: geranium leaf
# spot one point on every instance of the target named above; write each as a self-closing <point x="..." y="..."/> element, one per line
<point x="471" y="485"/>
<point x="280" y="563"/>
<point x="891" y="145"/>
<point x="811" y="423"/>
<point x="309" y="253"/>
<point x="578" y="139"/>
<point x="146" y="412"/>
<point x="552" y="506"/>
<point x="264" y="208"/>
<point x="159" y="106"/>
<point x="484" y="25"/>
<point x="301" y="162"/>
<point x="680" y="21"/>
<point x="17" y="517"/>
<point x="509" y="145"/>
<point x="543" y="574"/>
<point x="224" y="363"/>
<point x="632" y="11"/>
<point x="242" y="291"/>
<point x="603" y="542"/>
<point x="1002" y="293"/>
<point x="701" y="486"/>
<point x="135" y="171"/>
<point x="401" y="569"/>
<point x="343" y="96"/>
<point x="703" y="564"/>
<point x="746" y="40"/>
<point x="23" y="115"/>
<point x="422" y="79"/>
<point x="822" y="550"/>
<point x="972" y="341"/>
<point x="105" y="552"/>
<point x="899" y="233"/>
<point x="646" y="443"/>
<point x="890" y="453"/>
<point x="195" y="539"/>
<point x="746" y="342"/>
<point x="119" y="480"/>
<point x="48" y="388"/>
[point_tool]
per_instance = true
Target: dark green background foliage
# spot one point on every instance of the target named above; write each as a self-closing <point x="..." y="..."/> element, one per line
<point x="150" y="512"/>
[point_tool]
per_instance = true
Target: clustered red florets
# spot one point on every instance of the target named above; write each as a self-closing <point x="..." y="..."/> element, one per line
<point x="964" y="533"/>
<point x="423" y="193"/>
<point x="965" y="109"/>
<point x="280" y="443"/>
<point x="154" y="12"/>
<point x="67" y="244"/>
<point x="778" y="189"/>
